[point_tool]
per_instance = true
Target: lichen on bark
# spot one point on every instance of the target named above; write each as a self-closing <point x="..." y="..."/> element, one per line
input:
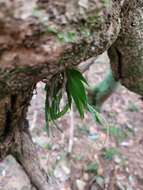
<point x="128" y="66"/>
<point x="24" y="42"/>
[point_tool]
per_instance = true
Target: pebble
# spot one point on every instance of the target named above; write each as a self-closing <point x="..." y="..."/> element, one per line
<point x="86" y="176"/>
<point x="117" y="159"/>
<point x="80" y="184"/>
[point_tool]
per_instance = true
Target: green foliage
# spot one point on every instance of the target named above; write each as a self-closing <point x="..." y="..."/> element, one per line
<point x="100" y="181"/>
<point x="92" y="168"/>
<point x="95" y="114"/>
<point x="70" y="81"/>
<point x="85" y="32"/>
<point x="67" y="37"/>
<point x="76" y="90"/>
<point x="119" y="134"/>
<point x="52" y="30"/>
<point x="109" y="153"/>
<point x="79" y="157"/>
<point x="73" y="83"/>
<point x="54" y="95"/>
<point x="105" y="2"/>
<point x="116" y="132"/>
<point x="132" y="107"/>
<point x="48" y="146"/>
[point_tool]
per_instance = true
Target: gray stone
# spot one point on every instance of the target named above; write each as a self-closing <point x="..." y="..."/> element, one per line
<point x="14" y="178"/>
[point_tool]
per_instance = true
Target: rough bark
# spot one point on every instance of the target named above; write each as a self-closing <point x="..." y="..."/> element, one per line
<point x="24" y="150"/>
<point x="15" y="137"/>
<point x="12" y="113"/>
<point x="29" y="52"/>
<point x="126" y="54"/>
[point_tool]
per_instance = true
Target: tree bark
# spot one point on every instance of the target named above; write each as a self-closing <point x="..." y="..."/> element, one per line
<point x="24" y="150"/>
<point x="16" y="140"/>
<point x="126" y="54"/>
<point x="29" y="52"/>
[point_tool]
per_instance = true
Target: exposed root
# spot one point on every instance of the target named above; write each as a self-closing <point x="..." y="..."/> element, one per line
<point x="26" y="154"/>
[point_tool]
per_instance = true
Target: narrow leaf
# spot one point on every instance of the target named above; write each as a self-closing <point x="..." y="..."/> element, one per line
<point x="76" y="88"/>
<point x="76" y="74"/>
<point x="95" y="114"/>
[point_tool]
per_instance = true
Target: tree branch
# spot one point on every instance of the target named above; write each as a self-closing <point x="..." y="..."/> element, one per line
<point x="32" y="49"/>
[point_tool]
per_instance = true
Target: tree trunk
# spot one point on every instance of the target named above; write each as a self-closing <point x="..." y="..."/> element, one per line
<point x="24" y="150"/>
<point x="126" y="54"/>
<point x="15" y="137"/>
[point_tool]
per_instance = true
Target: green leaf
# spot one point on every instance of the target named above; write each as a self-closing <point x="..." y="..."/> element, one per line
<point x="92" y="168"/>
<point x="52" y="30"/>
<point x="78" y="103"/>
<point x="69" y="97"/>
<point x="109" y="153"/>
<point x="100" y="181"/>
<point x="95" y="114"/>
<point x="47" y="109"/>
<point x="79" y="106"/>
<point x="59" y="114"/>
<point x="76" y="74"/>
<point x="77" y="97"/>
<point x="76" y="88"/>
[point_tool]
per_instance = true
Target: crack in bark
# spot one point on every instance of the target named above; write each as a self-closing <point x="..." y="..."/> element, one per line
<point x="9" y="110"/>
<point x="120" y="65"/>
<point x="25" y="153"/>
<point x="8" y="120"/>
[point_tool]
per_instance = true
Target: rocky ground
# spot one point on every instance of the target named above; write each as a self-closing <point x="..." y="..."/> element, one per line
<point x="108" y="157"/>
